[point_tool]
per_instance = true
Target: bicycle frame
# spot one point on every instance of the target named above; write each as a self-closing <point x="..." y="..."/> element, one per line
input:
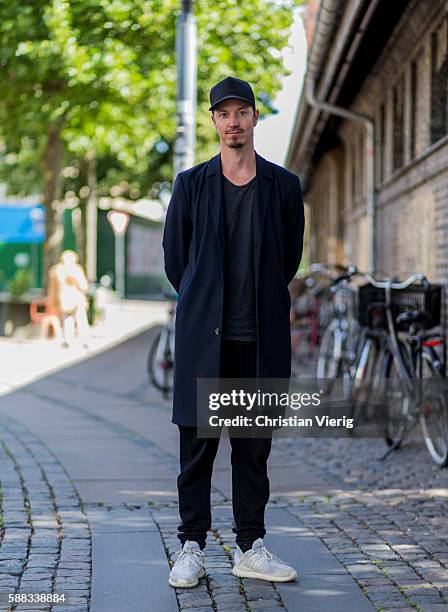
<point x="397" y="354"/>
<point x="410" y="365"/>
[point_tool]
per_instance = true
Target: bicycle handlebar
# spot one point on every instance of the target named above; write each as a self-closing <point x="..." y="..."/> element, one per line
<point x="348" y="273"/>
<point x="351" y="270"/>
<point x="324" y="267"/>
<point x="383" y="284"/>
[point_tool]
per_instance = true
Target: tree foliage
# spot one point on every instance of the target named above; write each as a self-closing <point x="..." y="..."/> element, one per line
<point x="103" y="72"/>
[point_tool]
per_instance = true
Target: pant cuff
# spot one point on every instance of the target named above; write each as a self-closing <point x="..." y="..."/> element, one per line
<point x="201" y="541"/>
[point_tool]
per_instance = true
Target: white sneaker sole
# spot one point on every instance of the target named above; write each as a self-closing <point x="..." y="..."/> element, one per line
<point x="242" y="573"/>
<point x="186" y="584"/>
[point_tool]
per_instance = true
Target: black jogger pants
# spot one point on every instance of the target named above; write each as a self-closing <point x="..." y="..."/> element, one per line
<point x="250" y="483"/>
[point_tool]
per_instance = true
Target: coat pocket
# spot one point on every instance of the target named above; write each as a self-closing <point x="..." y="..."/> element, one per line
<point x="185" y="280"/>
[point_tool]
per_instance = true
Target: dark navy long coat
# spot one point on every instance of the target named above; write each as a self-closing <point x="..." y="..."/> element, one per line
<point x="194" y="252"/>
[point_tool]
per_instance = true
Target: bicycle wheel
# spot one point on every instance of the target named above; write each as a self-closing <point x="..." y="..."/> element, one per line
<point x="396" y="404"/>
<point x="366" y="368"/>
<point x="160" y="363"/>
<point x="434" y="413"/>
<point x="151" y="361"/>
<point x="328" y="362"/>
<point x="349" y="362"/>
<point x="298" y="336"/>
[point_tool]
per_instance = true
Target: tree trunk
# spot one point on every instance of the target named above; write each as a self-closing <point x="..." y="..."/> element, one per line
<point x="81" y="233"/>
<point x="52" y="164"/>
<point x="91" y="218"/>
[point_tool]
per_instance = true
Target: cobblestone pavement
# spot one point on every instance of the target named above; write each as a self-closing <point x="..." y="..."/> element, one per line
<point x="389" y="527"/>
<point x="44" y="533"/>
<point x="385" y="522"/>
<point x="219" y="589"/>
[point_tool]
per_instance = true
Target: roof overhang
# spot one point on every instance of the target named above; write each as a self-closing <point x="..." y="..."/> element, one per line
<point x="348" y="39"/>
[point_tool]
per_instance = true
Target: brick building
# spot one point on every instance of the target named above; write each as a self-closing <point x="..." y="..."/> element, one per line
<point x="388" y="61"/>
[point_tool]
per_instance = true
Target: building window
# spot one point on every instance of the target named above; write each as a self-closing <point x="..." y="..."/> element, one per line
<point x="361" y="163"/>
<point x="353" y="174"/>
<point x="382" y="143"/>
<point x="398" y="118"/>
<point x="439" y="85"/>
<point x="413" y="112"/>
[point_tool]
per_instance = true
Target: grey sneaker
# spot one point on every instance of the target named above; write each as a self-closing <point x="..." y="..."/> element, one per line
<point x="259" y="563"/>
<point x="189" y="566"/>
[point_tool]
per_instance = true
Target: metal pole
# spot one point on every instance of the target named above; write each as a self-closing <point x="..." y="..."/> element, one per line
<point x="119" y="265"/>
<point x="91" y="218"/>
<point x="371" y="206"/>
<point x="186" y="62"/>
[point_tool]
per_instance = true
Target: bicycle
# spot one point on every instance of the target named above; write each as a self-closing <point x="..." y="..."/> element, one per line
<point x="311" y="313"/>
<point x="338" y="346"/>
<point x="398" y="351"/>
<point x="160" y="364"/>
<point x="305" y="324"/>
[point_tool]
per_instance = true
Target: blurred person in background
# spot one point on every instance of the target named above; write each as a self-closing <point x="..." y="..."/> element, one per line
<point x="105" y="298"/>
<point x="67" y="295"/>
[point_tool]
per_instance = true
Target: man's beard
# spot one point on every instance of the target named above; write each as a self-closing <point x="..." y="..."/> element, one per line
<point x="236" y="145"/>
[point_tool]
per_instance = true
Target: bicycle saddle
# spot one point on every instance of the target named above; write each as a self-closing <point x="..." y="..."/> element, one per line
<point x="413" y="316"/>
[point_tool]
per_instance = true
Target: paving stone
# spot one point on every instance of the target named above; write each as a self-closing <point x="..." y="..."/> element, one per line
<point x="203" y="609"/>
<point x="234" y="587"/>
<point x="36" y="575"/>
<point x="200" y="588"/>
<point x="425" y="598"/>
<point x="255" y="594"/>
<point x="36" y="586"/>
<point x="228" y="597"/>
<point x="395" y="607"/>
<point x="364" y="571"/>
<point x="190" y="600"/>
<point x="223" y="578"/>
<point x="11" y="567"/>
<point x="266" y="606"/>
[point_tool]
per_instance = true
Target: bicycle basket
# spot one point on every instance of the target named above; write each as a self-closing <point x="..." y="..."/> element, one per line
<point x="414" y="297"/>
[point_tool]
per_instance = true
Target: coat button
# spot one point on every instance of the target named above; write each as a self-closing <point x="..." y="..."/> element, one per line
<point x="217" y="331"/>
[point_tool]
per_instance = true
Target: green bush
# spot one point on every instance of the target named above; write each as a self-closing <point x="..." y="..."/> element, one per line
<point x="21" y="282"/>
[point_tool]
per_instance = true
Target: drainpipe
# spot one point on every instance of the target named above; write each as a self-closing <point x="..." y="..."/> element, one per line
<point x="370" y="165"/>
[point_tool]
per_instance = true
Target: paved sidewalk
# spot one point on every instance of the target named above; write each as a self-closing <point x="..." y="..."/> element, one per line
<point x="23" y="360"/>
<point x="88" y="466"/>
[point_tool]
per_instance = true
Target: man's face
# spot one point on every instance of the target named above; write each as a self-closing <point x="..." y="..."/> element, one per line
<point x="235" y="121"/>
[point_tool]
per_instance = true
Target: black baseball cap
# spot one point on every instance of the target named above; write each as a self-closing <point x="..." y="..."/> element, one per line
<point x="231" y="87"/>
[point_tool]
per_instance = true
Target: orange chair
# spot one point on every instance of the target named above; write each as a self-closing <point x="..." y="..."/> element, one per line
<point x="42" y="315"/>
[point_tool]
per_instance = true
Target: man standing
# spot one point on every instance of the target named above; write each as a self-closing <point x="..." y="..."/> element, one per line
<point x="232" y="243"/>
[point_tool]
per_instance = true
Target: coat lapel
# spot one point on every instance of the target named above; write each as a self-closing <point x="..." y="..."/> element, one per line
<point x="263" y="196"/>
<point x="215" y="198"/>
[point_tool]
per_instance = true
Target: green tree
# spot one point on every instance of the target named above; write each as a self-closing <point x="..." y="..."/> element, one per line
<point x="96" y="79"/>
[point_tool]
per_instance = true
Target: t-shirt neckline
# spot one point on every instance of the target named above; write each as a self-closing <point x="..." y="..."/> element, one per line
<point x="239" y="186"/>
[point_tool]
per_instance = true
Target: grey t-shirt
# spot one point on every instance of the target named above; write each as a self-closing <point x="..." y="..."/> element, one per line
<point x="239" y="321"/>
